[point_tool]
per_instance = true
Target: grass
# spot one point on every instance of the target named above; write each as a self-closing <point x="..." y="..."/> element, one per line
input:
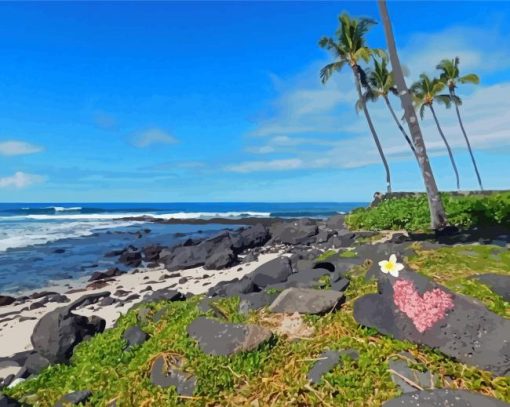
<point x="275" y="374"/>
<point x="412" y="213"/>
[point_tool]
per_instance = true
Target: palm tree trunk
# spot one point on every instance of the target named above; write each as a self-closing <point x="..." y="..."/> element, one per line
<point x="390" y="107"/>
<point x="437" y="214"/>
<point x="452" y="94"/>
<point x="447" y="146"/>
<point x="357" y="80"/>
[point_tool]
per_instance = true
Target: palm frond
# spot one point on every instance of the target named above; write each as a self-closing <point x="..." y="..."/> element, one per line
<point x="437" y="86"/>
<point x="368" y="96"/>
<point x="330" y="69"/>
<point x="363" y="53"/>
<point x="422" y="111"/>
<point x="380" y="53"/>
<point x="470" y="78"/>
<point x="329" y="44"/>
<point x="456" y="100"/>
<point x="444" y="100"/>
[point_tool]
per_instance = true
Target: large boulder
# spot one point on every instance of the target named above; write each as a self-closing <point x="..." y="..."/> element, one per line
<point x="272" y="272"/>
<point x="414" y="308"/>
<point x="254" y="236"/>
<point x="217" y="338"/>
<point x="306" y="301"/>
<point x="216" y="252"/>
<point x="220" y="259"/>
<point x="336" y="222"/>
<point x="6" y="300"/>
<point x="294" y="232"/>
<point x="444" y="397"/>
<point x="58" y="332"/>
<point x="184" y="257"/>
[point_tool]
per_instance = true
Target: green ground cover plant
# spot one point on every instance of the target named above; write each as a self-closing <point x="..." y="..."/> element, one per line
<point x="274" y="374"/>
<point x="412" y="213"/>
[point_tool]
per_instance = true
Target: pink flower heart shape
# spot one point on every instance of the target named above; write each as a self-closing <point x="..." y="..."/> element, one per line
<point x="424" y="310"/>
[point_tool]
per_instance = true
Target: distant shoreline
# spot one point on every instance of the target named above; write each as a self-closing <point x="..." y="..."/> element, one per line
<point x="266" y="221"/>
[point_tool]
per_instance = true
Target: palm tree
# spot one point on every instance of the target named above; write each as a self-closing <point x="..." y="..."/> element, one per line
<point x="382" y="84"/>
<point x="425" y="92"/>
<point x="438" y="219"/>
<point x="350" y="48"/>
<point x="450" y="76"/>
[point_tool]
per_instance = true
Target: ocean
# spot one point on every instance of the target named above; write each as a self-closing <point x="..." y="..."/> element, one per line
<point x="44" y="243"/>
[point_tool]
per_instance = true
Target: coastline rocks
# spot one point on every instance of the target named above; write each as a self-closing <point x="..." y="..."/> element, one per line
<point x="233" y="287"/>
<point x="165" y="376"/>
<point x="444" y="397"/>
<point x="6" y="300"/>
<point x="216" y="252"/>
<point x="220" y="260"/>
<point x="306" y="301"/>
<point x="164" y="294"/>
<point x="327" y="361"/>
<point x="35" y="363"/>
<point x="101" y="275"/>
<point x="6" y="401"/>
<point x="251" y="237"/>
<point x="272" y="272"/>
<point x="151" y="253"/>
<point x="58" y="332"/>
<point x="134" y="336"/>
<point x="498" y="283"/>
<point x="336" y="222"/>
<point x="402" y="368"/>
<point x="295" y="232"/>
<point x="255" y="301"/>
<point x="131" y="258"/>
<point x="417" y="309"/>
<point x="217" y="338"/>
<point x="324" y="235"/>
<point x="74" y="398"/>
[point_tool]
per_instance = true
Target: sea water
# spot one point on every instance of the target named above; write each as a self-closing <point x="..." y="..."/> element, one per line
<point x="47" y="242"/>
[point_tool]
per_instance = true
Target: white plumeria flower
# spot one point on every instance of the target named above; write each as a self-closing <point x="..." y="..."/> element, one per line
<point x="391" y="266"/>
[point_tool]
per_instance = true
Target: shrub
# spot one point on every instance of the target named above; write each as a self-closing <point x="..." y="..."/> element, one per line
<point x="412" y="213"/>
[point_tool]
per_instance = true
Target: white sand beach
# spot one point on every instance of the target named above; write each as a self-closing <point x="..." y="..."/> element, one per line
<point x="15" y="334"/>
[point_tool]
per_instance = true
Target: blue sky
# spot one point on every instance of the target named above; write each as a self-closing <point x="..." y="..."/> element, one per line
<point x="222" y="101"/>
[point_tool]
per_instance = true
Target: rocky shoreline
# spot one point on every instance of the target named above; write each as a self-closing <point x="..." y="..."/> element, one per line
<point x="279" y="265"/>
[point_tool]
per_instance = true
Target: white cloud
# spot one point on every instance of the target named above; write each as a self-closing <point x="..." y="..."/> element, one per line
<point x="13" y="147"/>
<point x="20" y="180"/>
<point x="323" y="118"/>
<point x="153" y="136"/>
<point x="479" y="50"/>
<point x="272" y="165"/>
